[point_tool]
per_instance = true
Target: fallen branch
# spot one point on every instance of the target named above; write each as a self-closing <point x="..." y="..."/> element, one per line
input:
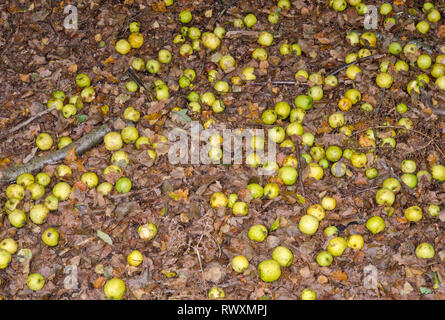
<point x="82" y="145"/>
<point x="382" y="96"/>
<point x="24" y="123"/>
<point x="376" y="56"/>
<point x="300" y="178"/>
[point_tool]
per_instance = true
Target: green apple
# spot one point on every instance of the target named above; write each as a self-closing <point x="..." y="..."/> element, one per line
<point x="438" y="172"/>
<point x="257" y="233"/>
<point x="11" y="204"/>
<point x="218" y="199"/>
<point x="334" y="153"/>
<point x="303" y="101"/>
<point x="221" y="86"/>
<point x="283" y="256"/>
<point x="413" y="214"/>
<point x="104" y="188"/>
<point x="265" y="38"/>
<point x="114" y="289"/>
<point x="138" y="64"/>
<point x="392" y="184"/>
<point x="375" y="224"/>
<point x="395" y="48"/>
<point x="25" y="179"/>
<point x="44" y="141"/>
<point x="35" y="281"/>
<point x="53" y="102"/>
<point x="433" y="16"/>
<point x="331" y="230"/>
<point x="384" y="80"/>
<point x="433" y="210"/>
<point x="385" y="9"/>
<point x="50" y="237"/>
<point x="308" y="224"/>
<point x="153" y="66"/>
<point x="136" y="40"/>
<point x="216" y="293"/>
<point x="308" y="294"/>
<point x="135" y="258"/>
<point x="297" y="115"/>
<point x="5" y="258"/>
<point x="51" y="202"/>
<point x="316" y="93"/>
<point x="288" y="175"/>
<point x="250" y="20"/>
<point x="324" y="259"/>
<point x="337" y="246"/>
<point x="276" y="134"/>
<point x="256" y="190"/>
<point x="424" y="61"/>
<point x="273" y="17"/>
<point x="164" y="56"/>
<point x="210" y="40"/>
<point x="17" y="218"/>
<point x="271" y="190"/>
<point x="59" y="95"/>
<point x="132" y="86"/>
<point x="240" y="263"/>
<point x="147" y="231"/>
<point x="269" y="270"/>
<point x="408" y="166"/>
<point x="294" y="128"/>
<point x="82" y="80"/>
<point x="328" y="203"/>
<point x="356" y="241"/>
<point x="409" y="179"/>
<point x="62" y="191"/>
<point x="358" y="159"/>
<point x="425" y="251"/>
<point x="88" y="94"/>
<point x="423" y="26"/>
<point x="90" y="179"/>
<point x="336" y="120"/>
<point x="38" y="213"/>
<point x="219" y="32"/>
<point x="43" y="179"/>
<point x="63" y="142"/>
<point x="63" y="171"/>
<point x="129" y="134"/>
<point x="339" y="5"/>
<point x="15" y="191"/>
<point x="385" y="197"/>
<point x="185" y="16"/>
<point x="240" y="208"/>
<point x="123" y="185"/>
<point x="317" y="211"/>
<point x="9" y="245"/>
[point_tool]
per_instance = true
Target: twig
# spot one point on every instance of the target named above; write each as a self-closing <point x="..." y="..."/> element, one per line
<point x="199" y="260"/>
<point x="382" y="96"/>
<point x="24" y="123"/>
<point x="225" y="9"/>
<point x="300" y="178"/>
<point x="135" y="78"/>
<point x="80" y="146"/>
<point x="376" y="56"/>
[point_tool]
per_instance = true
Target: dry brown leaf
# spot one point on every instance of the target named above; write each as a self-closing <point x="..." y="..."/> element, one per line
<point x="339" y="275"/>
